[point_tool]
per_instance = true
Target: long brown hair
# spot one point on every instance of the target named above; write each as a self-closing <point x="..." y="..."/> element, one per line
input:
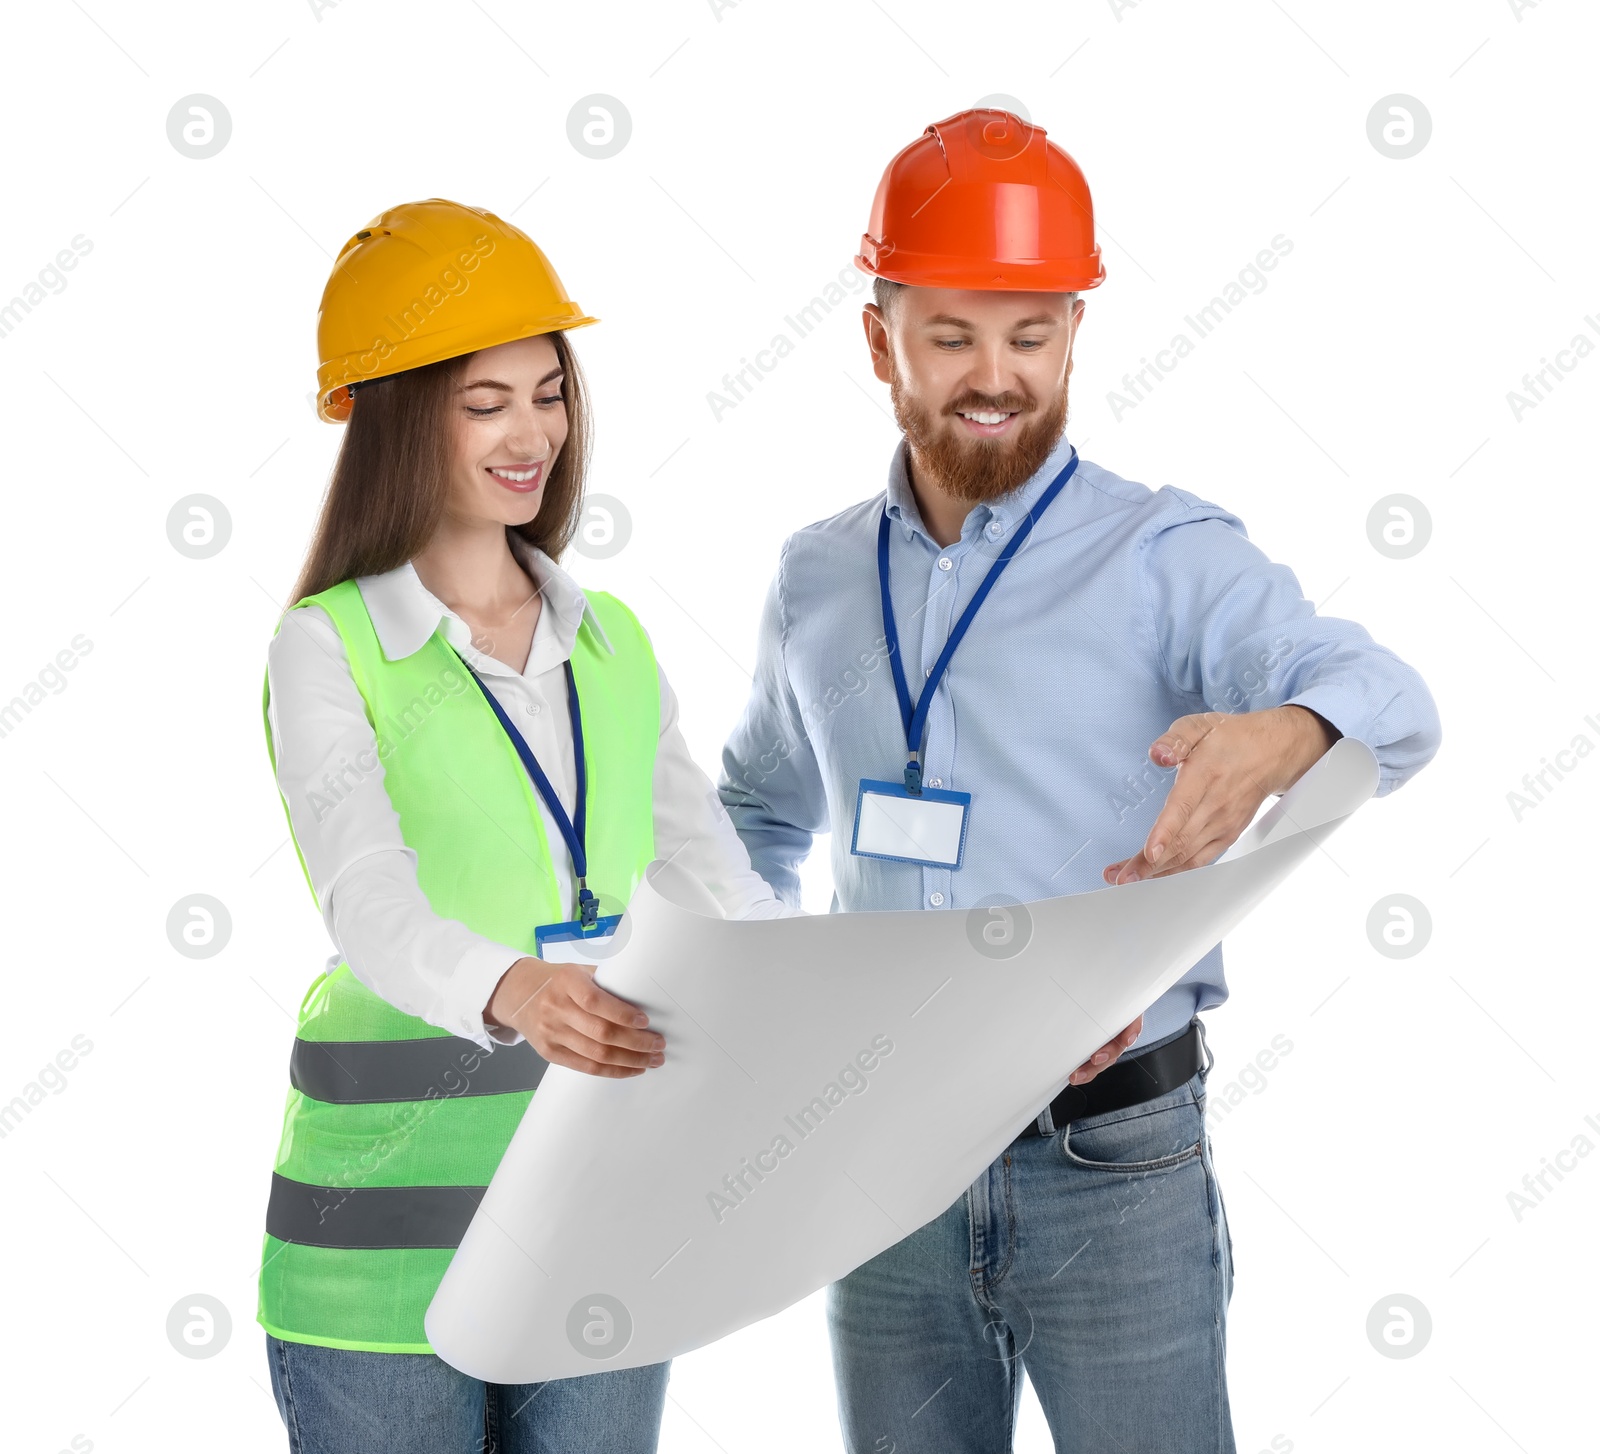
<point x="392" y="476"/>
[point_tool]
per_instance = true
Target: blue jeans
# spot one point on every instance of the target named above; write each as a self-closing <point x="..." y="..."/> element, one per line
<point x="1097" y="1259"/>
<point x="340" y="1401"/>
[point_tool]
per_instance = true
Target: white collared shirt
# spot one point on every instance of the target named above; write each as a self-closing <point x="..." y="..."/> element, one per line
<point x="364" y="874"/>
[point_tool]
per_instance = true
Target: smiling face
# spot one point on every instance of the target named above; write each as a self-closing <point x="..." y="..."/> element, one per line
<point x="510" y="421"/>
<point x="978" y="380"/>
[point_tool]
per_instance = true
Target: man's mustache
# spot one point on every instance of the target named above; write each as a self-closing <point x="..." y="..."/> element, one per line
<point x="1005" y="404"/>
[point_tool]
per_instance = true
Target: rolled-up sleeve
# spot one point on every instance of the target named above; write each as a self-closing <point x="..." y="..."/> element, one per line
<point x="770" y="782"/>
<point x="1235" y="633"/>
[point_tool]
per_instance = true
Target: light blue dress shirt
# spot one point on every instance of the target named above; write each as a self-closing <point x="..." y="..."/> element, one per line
<point x="1124" y="609"/>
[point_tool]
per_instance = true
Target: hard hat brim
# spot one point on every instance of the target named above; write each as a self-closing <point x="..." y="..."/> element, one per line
<point x="1040" y="275"/>
<point x="334" y="400"/>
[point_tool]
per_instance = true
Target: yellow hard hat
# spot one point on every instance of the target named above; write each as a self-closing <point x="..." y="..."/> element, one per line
<point x="426" y="281"/>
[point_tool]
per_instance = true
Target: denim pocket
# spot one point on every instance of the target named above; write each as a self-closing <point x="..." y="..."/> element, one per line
<point x="1154" y="1136"/>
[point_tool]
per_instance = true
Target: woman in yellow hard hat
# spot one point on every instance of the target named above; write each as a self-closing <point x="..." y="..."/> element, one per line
<point x="477" y="759"/>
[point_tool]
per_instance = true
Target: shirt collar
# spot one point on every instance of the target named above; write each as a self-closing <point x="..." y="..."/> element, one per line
<point x="994" y="517"/>
<point x="405" y="613"/>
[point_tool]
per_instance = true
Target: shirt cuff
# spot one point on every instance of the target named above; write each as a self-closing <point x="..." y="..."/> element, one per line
<point x="472" y="983"/>
<point x="1327" y="702"/>
<point x="774" y="909"/>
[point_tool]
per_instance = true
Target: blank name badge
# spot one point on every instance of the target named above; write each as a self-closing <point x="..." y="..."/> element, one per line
<point x="571" y="943"/>
<point x="930" y="828"/>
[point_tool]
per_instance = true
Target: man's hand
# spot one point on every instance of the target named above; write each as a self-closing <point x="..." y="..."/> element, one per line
<point x="1228" y="765"/>
<point x="571" y="1021"/>
<point x="1106" y="1054"/>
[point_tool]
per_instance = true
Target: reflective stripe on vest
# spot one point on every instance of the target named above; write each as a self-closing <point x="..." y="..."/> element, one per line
<point x="393" y="1123"/>
<point x="370" y="1216"/>
<point x="374" y="1072"/>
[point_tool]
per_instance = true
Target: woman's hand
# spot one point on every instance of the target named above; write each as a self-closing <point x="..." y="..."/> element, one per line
<point x="571" y="1021"/>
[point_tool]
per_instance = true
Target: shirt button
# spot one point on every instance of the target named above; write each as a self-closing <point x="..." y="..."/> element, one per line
<point x="936" y="898"/>
<point x="936" y="782"/>
<point x="994" y="529"/>
<point x="945" y="562"/>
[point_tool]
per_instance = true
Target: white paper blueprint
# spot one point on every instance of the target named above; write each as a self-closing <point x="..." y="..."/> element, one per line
<point x="633" y="1220"/>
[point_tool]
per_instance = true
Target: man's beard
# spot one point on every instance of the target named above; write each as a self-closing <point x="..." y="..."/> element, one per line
<point x="974" y="468"/>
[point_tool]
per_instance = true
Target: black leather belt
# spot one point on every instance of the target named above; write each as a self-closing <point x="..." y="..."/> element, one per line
<point x="1127" y="1082"/>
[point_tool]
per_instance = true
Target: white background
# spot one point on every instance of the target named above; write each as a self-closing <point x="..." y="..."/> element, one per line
<point x="1374" y="1159"/>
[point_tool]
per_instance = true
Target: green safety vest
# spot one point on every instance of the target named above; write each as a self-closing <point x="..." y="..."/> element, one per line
<point x="394" y="1126"/>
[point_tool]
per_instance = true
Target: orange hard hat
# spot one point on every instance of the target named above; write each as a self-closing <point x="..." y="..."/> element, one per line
<point x="983" y="200"/>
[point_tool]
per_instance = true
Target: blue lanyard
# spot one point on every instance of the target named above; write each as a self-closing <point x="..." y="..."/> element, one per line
<point x="916" y="718"/>
<point x="573" y="832"/>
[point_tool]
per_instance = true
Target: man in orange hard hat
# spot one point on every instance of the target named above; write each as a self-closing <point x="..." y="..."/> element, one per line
<point x="1088" y="682"/>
